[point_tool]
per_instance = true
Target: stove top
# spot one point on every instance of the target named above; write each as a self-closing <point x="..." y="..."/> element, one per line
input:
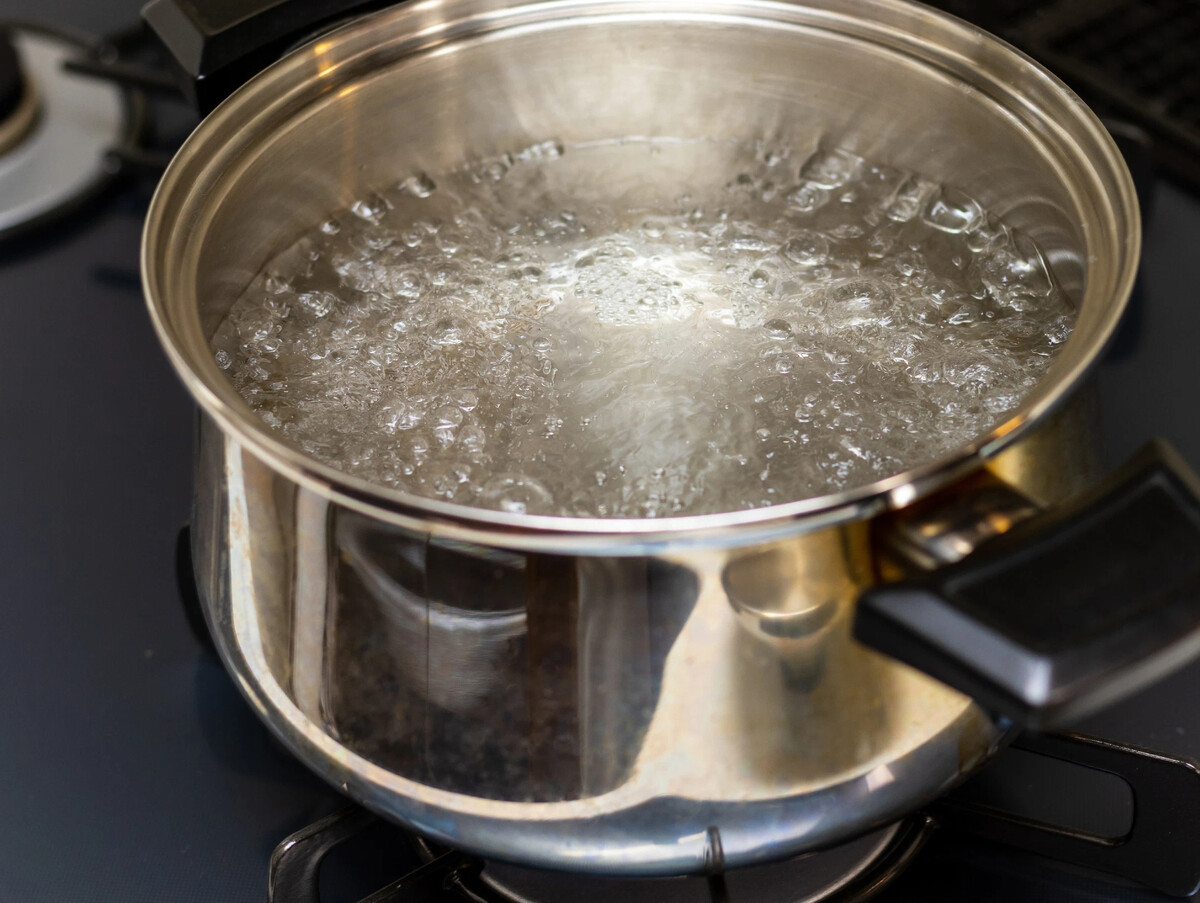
<point x="130" y="767"/>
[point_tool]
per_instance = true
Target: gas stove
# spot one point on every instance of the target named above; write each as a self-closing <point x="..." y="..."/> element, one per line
<point x="133" y="770"/>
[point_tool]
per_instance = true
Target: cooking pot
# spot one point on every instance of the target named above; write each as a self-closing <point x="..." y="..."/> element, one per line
<point x="682" y="694"/>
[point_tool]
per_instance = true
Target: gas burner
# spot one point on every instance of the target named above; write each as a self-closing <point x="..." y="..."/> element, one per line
<point x="57" y="128"/>
<point x="848" y="873"/>
<point x="19" y="103"/>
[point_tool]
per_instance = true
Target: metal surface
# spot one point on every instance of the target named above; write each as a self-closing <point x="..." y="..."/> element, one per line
<point x="611" y="712"/>
<point x="623" y="708"/>
<point x="851" y="873"/>
<point x="941" y="530"/>
<point x="61" y="157"/>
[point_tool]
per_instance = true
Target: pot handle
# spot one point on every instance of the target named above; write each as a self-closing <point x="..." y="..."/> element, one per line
<point x="1068" y="610"/>
<point x="220" y="45"/>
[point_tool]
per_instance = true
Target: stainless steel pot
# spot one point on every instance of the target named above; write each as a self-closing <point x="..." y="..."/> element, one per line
<point x="657" y="696"/>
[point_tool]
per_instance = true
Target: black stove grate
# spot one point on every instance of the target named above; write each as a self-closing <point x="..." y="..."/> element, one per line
<point x="1155" y="849"/>
<point x="1138" y="60"/>
<point x="1152" y="49"/>
<point x="435" y="874"/>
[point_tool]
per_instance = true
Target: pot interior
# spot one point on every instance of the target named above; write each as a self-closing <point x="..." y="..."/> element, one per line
<point x="429" y="86"/>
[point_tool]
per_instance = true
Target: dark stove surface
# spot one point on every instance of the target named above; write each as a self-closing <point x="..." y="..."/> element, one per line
<point x="130" y="769"/>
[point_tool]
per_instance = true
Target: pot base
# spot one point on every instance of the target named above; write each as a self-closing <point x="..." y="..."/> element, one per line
<point x="851" y="872"/>
<point x="848" y="873"/>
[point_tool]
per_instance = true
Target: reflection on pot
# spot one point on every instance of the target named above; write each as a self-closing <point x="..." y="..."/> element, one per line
<point x="541" y="672"/>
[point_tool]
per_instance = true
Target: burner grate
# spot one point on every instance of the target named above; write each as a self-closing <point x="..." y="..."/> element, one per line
<point x="1135" y="59"/>
<point x="1149" y="48"/>
<point x="848" y="874"/>
<point x="1152" y="849"/>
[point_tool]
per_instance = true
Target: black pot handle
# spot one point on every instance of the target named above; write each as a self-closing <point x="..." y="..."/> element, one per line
<point x="219" y="44"/>
<point x="1068" y="610"/>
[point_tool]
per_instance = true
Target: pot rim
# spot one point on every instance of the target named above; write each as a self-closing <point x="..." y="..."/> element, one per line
<point x="942" y="42"/>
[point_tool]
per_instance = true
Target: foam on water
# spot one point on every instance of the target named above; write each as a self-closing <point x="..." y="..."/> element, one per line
<point x="611" y="330"/>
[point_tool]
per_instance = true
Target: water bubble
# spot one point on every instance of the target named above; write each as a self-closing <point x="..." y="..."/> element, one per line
<point x="494" y="170"/>
<point x="223" y="359"/>
<point x="443" y="274"/>
<point x="831" y="168"/>
<point x="331" y="227"/>
<point x="807" y="197"/>
<point x="858" y="303"/>
<point x="465" y="399"/>
<point x="778" y="329"/>
<point x="372" y="241"/>
<point x="472" y="439"/>
<point x="909" y="199"/>
<point x="861" y="293"/>
<point x="276" y="284"/>
<point x="277" y="307"/>
<point x="443" y="481"/>
<point x="449" y="416"/>
<point x="399" y="417"/>
<point x="847" y="231"/>
<point x="755" y="244"/>
<point x="807" y="249"/>
<point x="1059" y="329"/>
<point x="402" y="282"/>
<point x="1015" y="273"/>
<point x="419" y="185"/>
<point x="543" y="150"/>
<point x="319" y="304"/>
<point x="516" y="494"/>
<point x="882" y="241"/>
<point x="1000" y="403"/>
<point x="372" y="208"/>
<point x="984" y="237"/>
<point x="952" y="211"/>
<point x="448" y="243"/>
<point x="448" y="331"/>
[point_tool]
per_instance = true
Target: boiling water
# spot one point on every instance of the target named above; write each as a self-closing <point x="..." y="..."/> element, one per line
<point x="645" y="328"/>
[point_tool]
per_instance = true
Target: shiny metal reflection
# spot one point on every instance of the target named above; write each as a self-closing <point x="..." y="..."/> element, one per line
<point x="604" y="695"/>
